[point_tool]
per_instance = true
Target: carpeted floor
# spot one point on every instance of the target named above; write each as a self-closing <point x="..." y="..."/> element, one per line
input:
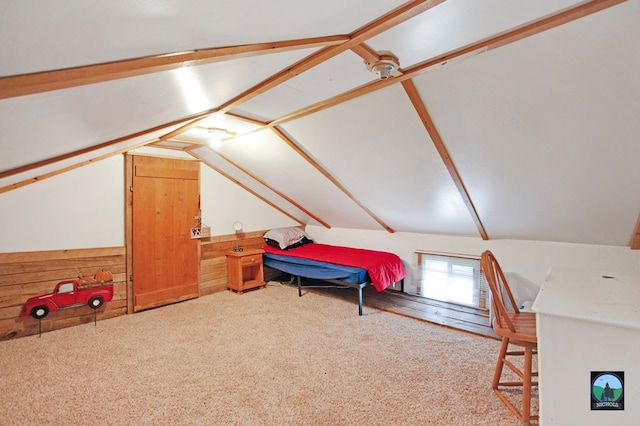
<point x="266" y="357"/>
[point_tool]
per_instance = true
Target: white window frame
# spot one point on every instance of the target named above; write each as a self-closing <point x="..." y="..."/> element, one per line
<point x="483" y="301"/>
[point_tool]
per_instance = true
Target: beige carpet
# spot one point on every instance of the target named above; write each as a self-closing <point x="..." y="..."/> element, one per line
<point x="266" y="357"/>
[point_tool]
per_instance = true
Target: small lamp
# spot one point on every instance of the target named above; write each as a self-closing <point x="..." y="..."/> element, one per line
<point x="237" y="226"/>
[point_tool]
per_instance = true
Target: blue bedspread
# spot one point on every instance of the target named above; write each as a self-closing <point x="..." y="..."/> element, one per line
<point x="316" y="270"/>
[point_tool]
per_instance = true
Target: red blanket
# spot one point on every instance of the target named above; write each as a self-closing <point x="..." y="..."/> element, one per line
<point x="384" y="268"/>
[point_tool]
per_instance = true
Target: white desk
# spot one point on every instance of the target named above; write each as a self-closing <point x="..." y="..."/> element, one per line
<point x="585" y="323"/>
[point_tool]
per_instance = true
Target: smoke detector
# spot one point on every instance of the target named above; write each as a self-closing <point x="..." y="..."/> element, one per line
<point x="384" y="67"/>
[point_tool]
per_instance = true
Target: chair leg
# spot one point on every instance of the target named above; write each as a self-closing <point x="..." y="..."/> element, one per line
<point x="526" y="385"/>
<point x="500" y="364"/>
<point x="526" y="374"/>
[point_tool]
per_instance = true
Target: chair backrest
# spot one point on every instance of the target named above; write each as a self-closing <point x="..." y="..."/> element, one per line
<point x="499" y="290"/>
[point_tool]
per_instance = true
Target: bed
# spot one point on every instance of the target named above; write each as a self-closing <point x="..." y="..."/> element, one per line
<point x="295" y="253"/>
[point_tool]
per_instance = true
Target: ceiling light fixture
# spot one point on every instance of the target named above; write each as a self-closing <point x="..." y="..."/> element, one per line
<point x="384" y="67"/>
<point x="218" y="130"/>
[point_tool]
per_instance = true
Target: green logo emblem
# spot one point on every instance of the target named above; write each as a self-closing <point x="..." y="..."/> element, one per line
<point x="607" y="390"/>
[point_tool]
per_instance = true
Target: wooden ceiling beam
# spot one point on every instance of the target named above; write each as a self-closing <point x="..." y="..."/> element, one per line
<point x="27" y="84"/>
<point x="429" y="125"/>
<point x="75" y="153"/>
<point x="511" y="36"/>
<point x="393" y="18"/>
<point x="293" y="145"/>
<point x="397" y="16"/>
<point x="505" y="38"/>
<point x="247" y="119"/>
<point x="366" y="53"/>
<point x="246" y="188"/>
<point x="68" y="168"/>
<point x="34" y="83"/>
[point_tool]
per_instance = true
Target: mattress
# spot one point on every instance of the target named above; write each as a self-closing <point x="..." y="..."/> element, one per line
<point x="383" y="268"/>
<point x="315" y="269"/>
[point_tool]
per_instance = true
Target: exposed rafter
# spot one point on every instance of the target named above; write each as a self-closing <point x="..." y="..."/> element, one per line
<point x="289" y="141"/>
<point x="508" y="37"/>
<point x="273" y="189"/>
<point x="76" y="76"/>
<point x="365" y="52"/>
<point x="192" y="120"/>
<point x="246" y="188"/>
<point x="372" y="57"/>
<point x="399" y="15"/>
<point x="354" y="42"/>
<point x="425" y="117"/>
<point x="68" y="168"/>
<point x="177" y="144"/>
<point x="26" y="84"/>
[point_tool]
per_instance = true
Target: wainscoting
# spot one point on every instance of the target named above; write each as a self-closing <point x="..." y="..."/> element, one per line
<point x="27" y="274"/>
<point x="213" y="258"/>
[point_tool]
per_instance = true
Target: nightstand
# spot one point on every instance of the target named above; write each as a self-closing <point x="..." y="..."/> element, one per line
<point x="245" y="269"/>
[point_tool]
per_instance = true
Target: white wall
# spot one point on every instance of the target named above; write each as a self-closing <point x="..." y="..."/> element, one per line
<point x="223" y="202"/>
<point x="84" y="208"/>
<point x="529" y="259"/>
<point x="81" y="208"/>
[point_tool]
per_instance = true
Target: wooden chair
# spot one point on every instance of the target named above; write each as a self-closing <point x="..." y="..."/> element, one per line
<point x="516" y="328"/>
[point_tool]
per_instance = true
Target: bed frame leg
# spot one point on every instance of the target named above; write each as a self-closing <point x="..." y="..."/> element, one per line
<point x="360" y="301"/>
<point x="299" y="286"/>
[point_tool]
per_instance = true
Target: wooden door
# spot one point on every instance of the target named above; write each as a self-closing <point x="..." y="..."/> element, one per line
<point x="165" y="203"/>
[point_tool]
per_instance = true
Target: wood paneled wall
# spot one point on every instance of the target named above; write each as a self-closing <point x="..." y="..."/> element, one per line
<point x="213" y="259"/>
<point x="27" y="274"/>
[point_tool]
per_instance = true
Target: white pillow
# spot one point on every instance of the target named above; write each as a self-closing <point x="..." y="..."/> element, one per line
<point x="286" y="236"/>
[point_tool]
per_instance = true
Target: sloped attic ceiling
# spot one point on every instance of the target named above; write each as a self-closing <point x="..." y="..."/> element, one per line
<point x="504" y="119"/>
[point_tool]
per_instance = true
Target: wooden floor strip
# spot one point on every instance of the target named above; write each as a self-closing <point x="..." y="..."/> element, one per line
<point x="451" y="315"/>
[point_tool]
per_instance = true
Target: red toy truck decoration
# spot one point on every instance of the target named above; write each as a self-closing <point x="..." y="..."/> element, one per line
<point x="91" y="291"/>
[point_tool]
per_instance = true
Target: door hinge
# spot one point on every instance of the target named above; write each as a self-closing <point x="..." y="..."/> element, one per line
<point x="131" y="189"/>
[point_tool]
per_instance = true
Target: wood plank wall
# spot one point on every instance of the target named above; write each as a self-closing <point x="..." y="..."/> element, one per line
<point x="27" y="274"/>
<point x="213" y="259"/>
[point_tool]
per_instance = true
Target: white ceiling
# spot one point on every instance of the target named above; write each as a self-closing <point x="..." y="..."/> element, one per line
<point x="541" y="130"/>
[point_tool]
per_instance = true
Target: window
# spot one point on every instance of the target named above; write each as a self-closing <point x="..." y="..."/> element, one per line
<point x="451" y="278"/>
<point x="66" y="288"/>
